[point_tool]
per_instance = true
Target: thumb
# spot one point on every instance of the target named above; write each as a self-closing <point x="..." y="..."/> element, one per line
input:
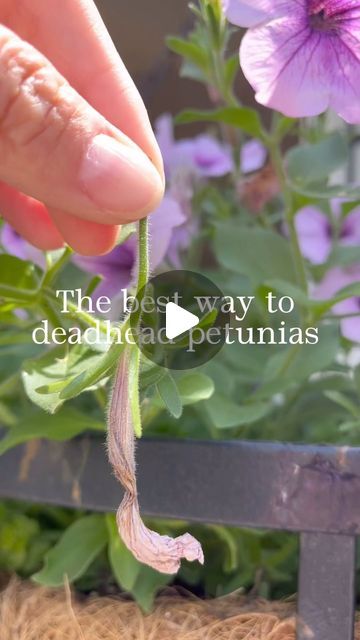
<point x="56" y="148"/>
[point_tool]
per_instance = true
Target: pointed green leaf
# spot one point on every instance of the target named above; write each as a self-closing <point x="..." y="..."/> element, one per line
<point x="73" y="554"/>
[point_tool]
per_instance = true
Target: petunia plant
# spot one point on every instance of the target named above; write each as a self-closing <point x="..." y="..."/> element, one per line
<point x="264" y="200"/>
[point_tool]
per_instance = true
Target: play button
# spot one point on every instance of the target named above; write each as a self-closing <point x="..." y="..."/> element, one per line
<point x="178" y="320"/>
<point x="183" y="322"/>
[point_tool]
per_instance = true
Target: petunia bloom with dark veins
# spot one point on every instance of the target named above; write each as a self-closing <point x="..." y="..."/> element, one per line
<point x="301" y="56"/>
<point x="317" y="234"/>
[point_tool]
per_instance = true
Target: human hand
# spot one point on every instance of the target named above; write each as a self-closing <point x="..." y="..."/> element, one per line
<point x="75" y="138"/>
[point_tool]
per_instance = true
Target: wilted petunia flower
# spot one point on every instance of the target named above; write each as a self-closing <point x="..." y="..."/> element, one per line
<point x="337" y="279"/>
<point x="301" y="56"/>
<point x="316" y="234"/>
<point x="160" y="552"/>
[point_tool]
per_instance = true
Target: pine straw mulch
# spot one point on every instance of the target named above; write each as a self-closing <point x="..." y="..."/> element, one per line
<point x="28" y="612"/>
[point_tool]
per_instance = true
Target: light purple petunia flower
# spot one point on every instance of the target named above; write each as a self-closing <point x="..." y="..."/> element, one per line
<point x="118" y="268"/>
<point x="337" y="279"/>
<point x="190" y="160"/>
<point x="253" y="156"/>
<point x="316" y="235"/>
<point x="301" y="56"/>
<point x="202" y="156"/>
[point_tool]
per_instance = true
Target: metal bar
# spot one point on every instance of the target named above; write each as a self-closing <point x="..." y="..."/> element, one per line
<point x="326" y="604"/>
<point x="248" y="484"/>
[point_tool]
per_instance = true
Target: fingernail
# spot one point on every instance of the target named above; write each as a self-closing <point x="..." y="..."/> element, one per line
<point x="119" y="178"/>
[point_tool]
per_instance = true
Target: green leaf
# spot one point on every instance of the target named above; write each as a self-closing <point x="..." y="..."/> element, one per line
<point x="283" y="126"/>
<point x="225" y="414"/>
<point x="73" y="554"/>
<point x="357" y="378"/>
<point x="169" y="394"/>
<point x="226" y="536"/>
<point x="289" y="289"/>
<point x="124" y="565"/>
<point x="344" y="256"/>
<point x="45" y="377"/>
<point x="147" y="585"/>
<point x="140" y="581"/>
<point x="189" y="50"/>
<point x="243" y="118"/>
<point x="312" y="163"/>
<point x="319" y="306"/>
<point x="298" y="362"/>
<point x="231" y="68"/>
<point x="194" y="387"/>
<point x="18" y="273"/>
<point x="343" y="401"/>
<point x="150" y="374"/>
<point x="257" y="253"/>
<point x="324" y="192"/>
<point x="62" y="426"/>
<point x="95" y="372"/>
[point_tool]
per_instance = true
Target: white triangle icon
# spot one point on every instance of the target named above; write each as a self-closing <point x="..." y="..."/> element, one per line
<point x="178" y="320"/>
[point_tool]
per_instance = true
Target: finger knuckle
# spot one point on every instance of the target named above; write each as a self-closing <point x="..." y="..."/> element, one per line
<point x="30" y="96"/>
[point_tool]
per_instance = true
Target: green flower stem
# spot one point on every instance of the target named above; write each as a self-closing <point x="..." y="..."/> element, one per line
<point x="143" y="248"/>
<point x="82" y="316"/>
<point x="298" y="259"/>
<point x="134" y="362"/>
<point x="53" y="271"/>
<point x="17" y="295"/>
<point x="51" y="312"/>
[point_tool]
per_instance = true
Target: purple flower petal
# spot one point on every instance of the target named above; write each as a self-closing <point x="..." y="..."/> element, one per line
<point x="343" y="67"/>
<point x="253" y="156"/>
<point x="204" y="156"/>
<point x="350" y="327"/>
<point x="249" y="13"/>
<point x="280" y="60"/>
<point x="162" y="225"/>
<point x="210" y="158"/>
<point x="350" y="231"/>
<point x="15" y="245"/>
<point x="306" y="58"/>
<point x="314" y="234"/>
<point x="335" y="280"/>
<point x="118" y="268"/>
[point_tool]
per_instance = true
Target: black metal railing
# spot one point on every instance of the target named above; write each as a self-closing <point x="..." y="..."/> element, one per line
<point x="312" y="490"/>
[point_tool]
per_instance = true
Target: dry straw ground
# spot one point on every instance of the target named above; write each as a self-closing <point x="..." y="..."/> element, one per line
<point x="33" y="613"/>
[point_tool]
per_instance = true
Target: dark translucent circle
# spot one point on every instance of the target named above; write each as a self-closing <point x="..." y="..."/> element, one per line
<point x="193" y="292"/>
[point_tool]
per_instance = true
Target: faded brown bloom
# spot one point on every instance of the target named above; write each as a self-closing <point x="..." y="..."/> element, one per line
<point x="160" y="552"/>
<point x="259" y="189"/>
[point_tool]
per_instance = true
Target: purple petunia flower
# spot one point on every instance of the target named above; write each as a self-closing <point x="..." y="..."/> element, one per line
<point x="190" y="160"/>
<point x="202" y="156"/>
<point x="337" y="279"/>
<point x="316" y="234"/>
<point x="301" y="56"/>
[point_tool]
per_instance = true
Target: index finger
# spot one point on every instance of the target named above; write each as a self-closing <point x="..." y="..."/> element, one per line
<point x="73" y="36"/>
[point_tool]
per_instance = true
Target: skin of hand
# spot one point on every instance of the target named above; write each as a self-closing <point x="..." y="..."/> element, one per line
<point x="77" y="153"/>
